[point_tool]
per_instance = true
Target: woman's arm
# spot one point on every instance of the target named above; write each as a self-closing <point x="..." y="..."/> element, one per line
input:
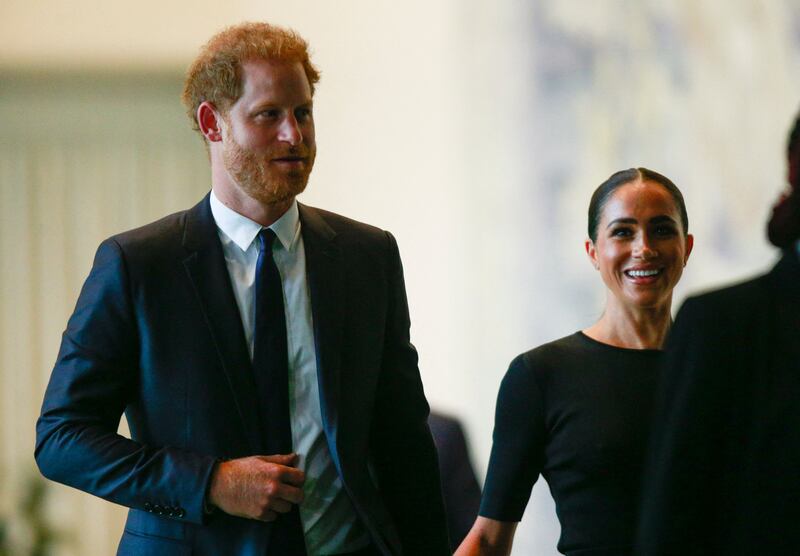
<point x="488" y="537"/>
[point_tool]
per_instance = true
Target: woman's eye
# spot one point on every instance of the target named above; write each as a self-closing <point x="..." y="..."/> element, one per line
<point x="666" y="231"/>
<point x="621" y="232"/>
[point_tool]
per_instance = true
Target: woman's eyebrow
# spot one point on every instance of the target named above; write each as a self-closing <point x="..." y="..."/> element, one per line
<point x="626" y="220"/>
<point x="662" y="218"/>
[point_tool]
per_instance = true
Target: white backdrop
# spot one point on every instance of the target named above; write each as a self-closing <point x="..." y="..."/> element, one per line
<point x="474" y="131"/>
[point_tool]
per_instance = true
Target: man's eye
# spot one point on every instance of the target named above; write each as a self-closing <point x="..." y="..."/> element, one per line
<point x="271" y="114"/>
<point x="302" y="113"/>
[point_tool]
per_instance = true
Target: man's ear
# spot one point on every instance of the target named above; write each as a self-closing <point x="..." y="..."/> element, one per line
<point x="592" y="252"/>
<point x="209" y="120"/>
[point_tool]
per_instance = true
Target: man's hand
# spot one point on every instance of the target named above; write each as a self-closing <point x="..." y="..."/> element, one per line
<point x="257" y="487"/>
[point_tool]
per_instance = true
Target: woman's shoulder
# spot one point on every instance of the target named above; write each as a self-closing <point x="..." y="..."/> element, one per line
<point x="565" y="346"/>
<point x="548" y="356"/>
<point x="531" y="373"/>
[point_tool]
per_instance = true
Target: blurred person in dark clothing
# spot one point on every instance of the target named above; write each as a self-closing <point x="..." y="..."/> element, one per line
<point x="723" y="473"/>
<point x="462" y="494"/>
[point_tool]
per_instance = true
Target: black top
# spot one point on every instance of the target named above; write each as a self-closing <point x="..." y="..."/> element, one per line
<point x="577" y="411"/>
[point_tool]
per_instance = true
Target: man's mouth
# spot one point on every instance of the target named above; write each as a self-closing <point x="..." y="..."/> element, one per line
<point x="288" y="162"/>
<point x="289" y="159"/>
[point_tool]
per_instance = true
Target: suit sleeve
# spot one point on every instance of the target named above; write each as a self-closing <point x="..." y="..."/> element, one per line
<point x="403" y="451"/>
<point x="94" y="379"/>
<point x="682" y="483"/>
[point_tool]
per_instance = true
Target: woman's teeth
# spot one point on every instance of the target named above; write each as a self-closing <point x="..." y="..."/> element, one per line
<point x="642" y="273"/>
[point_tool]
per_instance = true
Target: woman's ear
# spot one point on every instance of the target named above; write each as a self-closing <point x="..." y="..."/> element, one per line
<point x="689" y="246"/>
<point x="592" y="252"/>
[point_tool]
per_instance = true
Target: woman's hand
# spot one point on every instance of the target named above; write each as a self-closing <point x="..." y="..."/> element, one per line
<point x="488" y="537"/>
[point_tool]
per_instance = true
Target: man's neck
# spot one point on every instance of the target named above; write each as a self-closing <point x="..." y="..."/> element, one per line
<point x="263" y="213"/>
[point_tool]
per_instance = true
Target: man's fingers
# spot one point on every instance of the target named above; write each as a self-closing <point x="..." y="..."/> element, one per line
<point x="268" y="515"/>
<point x="259" y="487"/>
<point x="291" y="476"/>
<point x="290" y="494"/>
<point x="280" y="506"/>
<point x="289" y="460"/>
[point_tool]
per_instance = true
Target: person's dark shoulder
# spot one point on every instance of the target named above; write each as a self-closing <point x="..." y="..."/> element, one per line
<point x="442" y="422"/>
<point x="536" y="366"/>
<point x="730" y="316"/>
<point x="739" y="297"/>
<point x="546" y="357"/>
<point x="149" y="251"/>
<point x="342" y="225"/>
<point x="167" y="230"/>
<point x="726" y="310"/>
<point x="355" y="239"/>
<point x="446" y="431"/>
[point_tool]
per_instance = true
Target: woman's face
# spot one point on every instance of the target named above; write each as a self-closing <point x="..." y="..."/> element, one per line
<point x="641" y="247"/>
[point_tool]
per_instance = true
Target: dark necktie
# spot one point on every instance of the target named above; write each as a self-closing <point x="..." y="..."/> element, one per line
<point x="271" y="368"/>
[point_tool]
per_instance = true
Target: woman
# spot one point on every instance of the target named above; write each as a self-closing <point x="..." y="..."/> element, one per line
<point x="577" y="410"/>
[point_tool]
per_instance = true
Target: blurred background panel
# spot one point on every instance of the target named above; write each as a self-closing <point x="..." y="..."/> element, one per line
<point x="474" y="131"/>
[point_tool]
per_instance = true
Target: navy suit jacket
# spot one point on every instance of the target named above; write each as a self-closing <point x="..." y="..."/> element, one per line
<point x="723" y="472"/>
<point x="156" y="334"/>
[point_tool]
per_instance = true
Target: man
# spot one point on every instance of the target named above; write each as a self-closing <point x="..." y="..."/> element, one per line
<point x="258" y="347"/>
<point x="723" y="474"/>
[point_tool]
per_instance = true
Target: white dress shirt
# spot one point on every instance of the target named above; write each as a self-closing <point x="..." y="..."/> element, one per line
<point x="330" y="523"/>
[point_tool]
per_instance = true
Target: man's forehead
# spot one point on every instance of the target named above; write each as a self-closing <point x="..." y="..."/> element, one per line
<point x="268" y="74"/>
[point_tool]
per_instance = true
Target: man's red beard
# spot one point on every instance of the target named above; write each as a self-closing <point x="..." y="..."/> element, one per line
<point x="263" y="181"/>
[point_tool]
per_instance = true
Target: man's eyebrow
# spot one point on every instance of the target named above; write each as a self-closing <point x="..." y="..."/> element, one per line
<point x="268" y="104"/>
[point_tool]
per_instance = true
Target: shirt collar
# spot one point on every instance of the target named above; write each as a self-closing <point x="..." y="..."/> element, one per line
<point x="243" y="231"/>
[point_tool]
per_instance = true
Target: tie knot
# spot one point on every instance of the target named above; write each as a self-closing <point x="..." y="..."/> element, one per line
<point x="266" y="238"/>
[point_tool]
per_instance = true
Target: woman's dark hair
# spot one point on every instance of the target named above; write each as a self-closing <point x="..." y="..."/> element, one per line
<point x="617" y="180"/>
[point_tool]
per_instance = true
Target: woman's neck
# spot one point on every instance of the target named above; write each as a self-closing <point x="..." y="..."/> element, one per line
<point x="633" y="328"/>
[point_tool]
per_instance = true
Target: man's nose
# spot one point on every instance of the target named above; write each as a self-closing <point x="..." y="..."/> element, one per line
<point x="289" y="131"/>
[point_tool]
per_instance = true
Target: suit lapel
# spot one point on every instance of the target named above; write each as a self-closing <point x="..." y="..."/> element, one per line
<point x="324" y="272"/>
<point x="205" y="265"/>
